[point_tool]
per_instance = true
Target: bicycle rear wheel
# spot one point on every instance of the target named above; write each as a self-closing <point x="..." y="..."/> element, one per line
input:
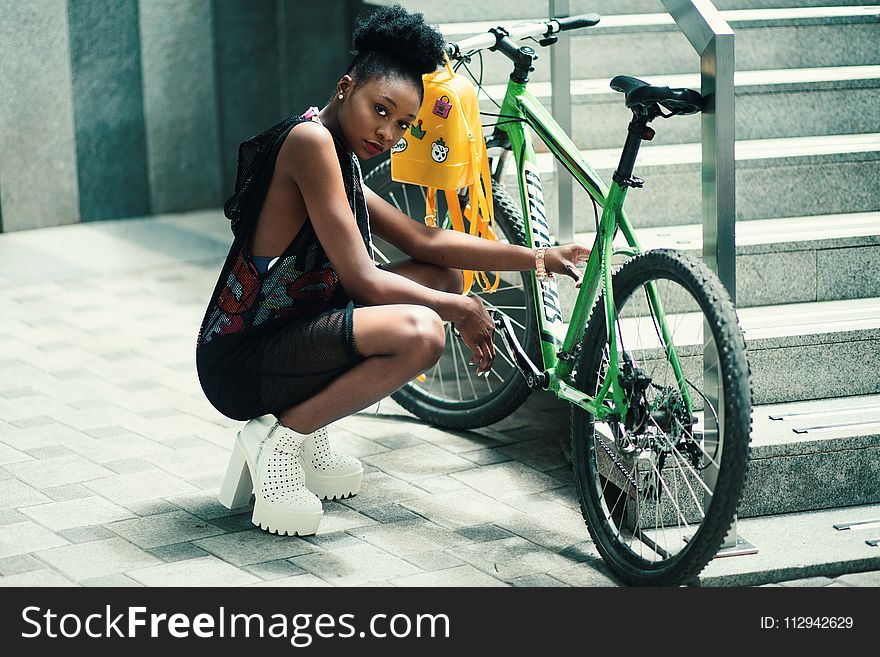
<point x="451" y="395"/>
<point x="659" y="488"/>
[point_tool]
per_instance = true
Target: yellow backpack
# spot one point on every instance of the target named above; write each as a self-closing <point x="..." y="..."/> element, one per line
<point x="445" y="149"/>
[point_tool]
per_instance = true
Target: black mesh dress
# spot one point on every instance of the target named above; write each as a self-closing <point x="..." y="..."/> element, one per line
<point x="270" y="341"/>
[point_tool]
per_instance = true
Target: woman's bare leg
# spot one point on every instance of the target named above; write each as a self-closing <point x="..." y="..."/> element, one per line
<point x="399" y="341"/>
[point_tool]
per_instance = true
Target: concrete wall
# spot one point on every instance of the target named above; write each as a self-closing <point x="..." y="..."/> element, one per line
<point x="108" y="107"/>
<point x="180" y="104"/>
<point x="38" y="185"/>
<point x="295" y="52"/>
<point x="119" y="108"/>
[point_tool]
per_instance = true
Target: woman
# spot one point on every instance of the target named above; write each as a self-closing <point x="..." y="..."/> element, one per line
<point x="302" y="325"/>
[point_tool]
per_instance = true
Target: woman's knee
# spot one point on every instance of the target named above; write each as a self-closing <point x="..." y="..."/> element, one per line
<point x="408" y="328"/>
<point x="425" y="332"/>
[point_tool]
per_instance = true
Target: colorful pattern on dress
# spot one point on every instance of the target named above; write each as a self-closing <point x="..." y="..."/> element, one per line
<point x="235" y="300"/>
<point x="295" y="287"/>
<point x="301" y="284"/>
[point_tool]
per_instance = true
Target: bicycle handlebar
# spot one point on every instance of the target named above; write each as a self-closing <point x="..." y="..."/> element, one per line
<point x="545" y="29"/>
<point x="576" y="22"/>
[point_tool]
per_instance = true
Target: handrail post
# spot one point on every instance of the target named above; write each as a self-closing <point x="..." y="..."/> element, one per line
<point x="713" y="39"/>
<point x="560" y="82"/>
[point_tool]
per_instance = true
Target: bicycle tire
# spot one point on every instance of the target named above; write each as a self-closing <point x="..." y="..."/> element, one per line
<point x="489" y="403"/>
<point x="594" y="453"/>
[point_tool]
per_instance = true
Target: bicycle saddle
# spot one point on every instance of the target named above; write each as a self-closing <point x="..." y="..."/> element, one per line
<point x="641" y="94"/>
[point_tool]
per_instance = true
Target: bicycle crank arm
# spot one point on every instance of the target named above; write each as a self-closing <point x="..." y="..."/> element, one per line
<point x="535" y="379"/>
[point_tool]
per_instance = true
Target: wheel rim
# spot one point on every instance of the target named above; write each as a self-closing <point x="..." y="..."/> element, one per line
<point x="451" y="383"/>
<point x="656" y="485"/>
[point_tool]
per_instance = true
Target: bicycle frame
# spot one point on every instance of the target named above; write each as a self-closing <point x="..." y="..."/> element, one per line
<point x="520" y="108"/>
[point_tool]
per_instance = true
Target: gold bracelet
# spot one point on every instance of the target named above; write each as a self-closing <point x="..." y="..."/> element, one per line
<point x="540" y="271"/>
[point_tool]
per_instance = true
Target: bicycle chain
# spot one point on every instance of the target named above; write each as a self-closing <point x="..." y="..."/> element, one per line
<point x="620" y="466"/>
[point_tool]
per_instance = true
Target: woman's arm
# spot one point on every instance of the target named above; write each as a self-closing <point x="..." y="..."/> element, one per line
<point x="448" y="248"/>
<point x="308" y="160"/>
<point x="457" y="250"/>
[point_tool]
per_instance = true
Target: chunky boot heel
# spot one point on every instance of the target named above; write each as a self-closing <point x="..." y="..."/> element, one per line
<point x="237" y="485"/>
<point x="272" y="469"/>
<point x="329" y="474"/>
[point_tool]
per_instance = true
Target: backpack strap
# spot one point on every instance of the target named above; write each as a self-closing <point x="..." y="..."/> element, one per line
<point x="431" y="207"/>
<point x="481" y="201"/>
<point x="479" y="209"/>
<point x="457" y="220"/>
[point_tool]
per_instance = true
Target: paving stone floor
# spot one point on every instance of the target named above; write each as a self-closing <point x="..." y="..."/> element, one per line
<point x="111" y="457"/>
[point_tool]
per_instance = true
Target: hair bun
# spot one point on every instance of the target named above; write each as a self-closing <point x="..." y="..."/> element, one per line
<point x="402" y="36"/>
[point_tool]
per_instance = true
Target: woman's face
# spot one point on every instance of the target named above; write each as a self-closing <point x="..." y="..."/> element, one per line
<point x="375" y="114"/>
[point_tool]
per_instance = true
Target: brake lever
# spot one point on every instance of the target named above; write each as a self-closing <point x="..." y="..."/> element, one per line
<point x="544" y="42"/>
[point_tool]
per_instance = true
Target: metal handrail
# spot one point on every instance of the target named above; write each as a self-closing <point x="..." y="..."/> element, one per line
<point x="713" y="39"/>
<point x="711" y="36"/>
<point x="560" y="106"/>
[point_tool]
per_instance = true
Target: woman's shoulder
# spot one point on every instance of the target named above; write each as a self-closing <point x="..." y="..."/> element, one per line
<point x="310" y="133"/>
<point x="308" y="142"/>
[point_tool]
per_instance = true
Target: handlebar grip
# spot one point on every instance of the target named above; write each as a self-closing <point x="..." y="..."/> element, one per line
<point x="575" y="22"/>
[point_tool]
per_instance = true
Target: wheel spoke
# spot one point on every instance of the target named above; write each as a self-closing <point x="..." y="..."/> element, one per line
<point x="689" y="466"/>
<point x="460" y="349"/>
<point x="406" y="200"/>
<point x="672" y="456"/>
<point x="437" y="365"/>
<point x="679" y="459"/>
<point x="491" y="306"/>
<point x="501" y="352"/>
<point x="457" y="373"/>
<point x="394" y="200"/>
<point x="666" y="490"/>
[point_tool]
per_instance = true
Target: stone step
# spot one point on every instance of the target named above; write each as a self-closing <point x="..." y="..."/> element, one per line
<point x="819" y="350"/>
<point x="775" y="178"/>
<point x="790" y="545"/>
<point x="814" y="455"/>
<point x="466" y="10"/>
<point x="798" y="546"/>
<point x="797" y="352"/>
<point x="769" y="104"/>
<point x="791" y="260"/>
<point x="805" y="456"/>
<point x="652" y="44"/>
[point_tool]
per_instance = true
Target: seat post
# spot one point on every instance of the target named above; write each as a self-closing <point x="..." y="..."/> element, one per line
<point x="637" y="131"/>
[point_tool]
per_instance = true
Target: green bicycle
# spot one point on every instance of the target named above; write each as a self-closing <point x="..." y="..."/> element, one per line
<point x="652" y="359"/>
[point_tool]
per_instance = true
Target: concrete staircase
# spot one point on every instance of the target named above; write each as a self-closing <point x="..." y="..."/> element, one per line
<point x="808" y="209"/>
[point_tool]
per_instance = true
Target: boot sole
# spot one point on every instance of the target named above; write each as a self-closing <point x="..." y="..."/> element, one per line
<point x="333" y="487"/>
<point x="236" y="491"/>
<point x="289" y="523"/>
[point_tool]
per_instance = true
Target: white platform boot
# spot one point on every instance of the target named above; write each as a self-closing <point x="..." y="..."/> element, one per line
<point x="329" y="474"/>
<point x="267" y="461"/>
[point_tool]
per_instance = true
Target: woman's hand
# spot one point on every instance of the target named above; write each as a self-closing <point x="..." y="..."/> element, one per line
<point x="564" y="260"/>
<point x="476" y="327"/>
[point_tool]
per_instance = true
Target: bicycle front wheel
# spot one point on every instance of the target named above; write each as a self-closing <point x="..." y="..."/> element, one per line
<point x="451" y="395"/>
<point x="659" y="488"/>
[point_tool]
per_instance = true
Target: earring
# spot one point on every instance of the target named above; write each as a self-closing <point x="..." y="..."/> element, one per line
<point x="340" y="96"/>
